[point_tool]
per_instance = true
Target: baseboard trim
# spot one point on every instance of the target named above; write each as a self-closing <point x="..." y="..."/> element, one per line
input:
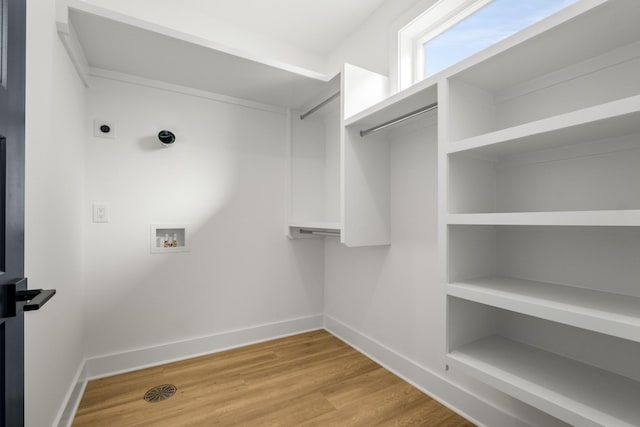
<point x="73" y="397"/>
<point x="118" y="363"/>
<point x="429" y="382"/>
<point x="426" y="380"/>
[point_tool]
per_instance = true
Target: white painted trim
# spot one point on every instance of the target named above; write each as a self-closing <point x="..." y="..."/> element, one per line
<point x="394" y="41"/>
<point x="72" y="399"/>
<point x="429" y="382"/>
<point x="72" y="45"/>
<point x="135" y="359"/>
<point x="184" y="90"/>
<point x="288" y="155"/>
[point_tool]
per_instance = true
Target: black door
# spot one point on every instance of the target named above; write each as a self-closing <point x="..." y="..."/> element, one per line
<point x="14" y="296"/>
<point x="12" y="64"/>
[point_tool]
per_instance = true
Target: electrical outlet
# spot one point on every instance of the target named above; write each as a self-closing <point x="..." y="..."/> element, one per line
<point x="100" y="213"/>
<point x="104" y="129"/>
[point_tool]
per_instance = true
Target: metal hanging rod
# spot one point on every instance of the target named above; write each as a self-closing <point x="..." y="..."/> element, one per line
<point x="319" y="106"/>
<point x="329" y="233"/>
<point x="400" y="119"/>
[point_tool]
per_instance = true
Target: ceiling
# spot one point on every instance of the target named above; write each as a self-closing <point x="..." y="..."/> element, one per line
<point x="316" y="26"/>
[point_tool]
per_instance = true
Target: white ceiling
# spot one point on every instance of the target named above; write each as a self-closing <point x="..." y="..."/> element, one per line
<point x="314" y="25"/>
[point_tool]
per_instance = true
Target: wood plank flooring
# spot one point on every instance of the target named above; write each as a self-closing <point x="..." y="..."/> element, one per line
<point x="312" y="379"/>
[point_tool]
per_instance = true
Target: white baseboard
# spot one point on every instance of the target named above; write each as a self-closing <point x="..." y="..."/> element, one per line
<point x="113" y="364"/>
<point x="118" y="363"/>
<point x="426" y="380"/>
<point x="72" y="399"/>
<point x="430" y="382"/>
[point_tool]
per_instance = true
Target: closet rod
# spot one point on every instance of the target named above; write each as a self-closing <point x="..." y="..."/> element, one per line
<point x="400" y="119"/>
<point x="320" y="232"/>
<point x="319" y="106"/>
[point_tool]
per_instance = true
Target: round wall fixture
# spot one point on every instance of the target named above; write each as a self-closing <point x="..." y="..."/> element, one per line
<point x="166" y="137"/>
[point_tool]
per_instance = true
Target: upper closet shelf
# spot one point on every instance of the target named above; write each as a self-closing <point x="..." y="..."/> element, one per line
<point x="610" y="120"/>
<point x="416" y="97"/>
<point x="582" y="31"/>
<point x="577" y="33"/>
<point x="99" y="39"/>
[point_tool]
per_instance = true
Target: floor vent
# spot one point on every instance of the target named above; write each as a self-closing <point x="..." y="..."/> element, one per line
<point x="160" y="393"/>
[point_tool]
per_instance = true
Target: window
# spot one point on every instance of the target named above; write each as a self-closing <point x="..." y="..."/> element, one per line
<point x="452" y="30"/>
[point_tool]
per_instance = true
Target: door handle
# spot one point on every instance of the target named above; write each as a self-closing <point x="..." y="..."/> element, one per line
<point x="17" y="292"/>
<point x="35" y="298"/>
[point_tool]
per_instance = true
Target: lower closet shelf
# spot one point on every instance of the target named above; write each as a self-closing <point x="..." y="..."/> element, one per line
<point x="607" y="313"/>
<point x="298" y="229"/>
<point x="575" y="392"/>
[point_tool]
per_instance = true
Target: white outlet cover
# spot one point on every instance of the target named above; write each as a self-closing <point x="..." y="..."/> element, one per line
<point x="99" y="132"/>
<point x="100" y="212"/>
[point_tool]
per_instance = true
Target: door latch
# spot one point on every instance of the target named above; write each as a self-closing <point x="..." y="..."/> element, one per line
<point x="33" y="299"/>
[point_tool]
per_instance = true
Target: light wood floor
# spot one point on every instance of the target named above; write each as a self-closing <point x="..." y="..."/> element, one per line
<point x="311" y="379"/>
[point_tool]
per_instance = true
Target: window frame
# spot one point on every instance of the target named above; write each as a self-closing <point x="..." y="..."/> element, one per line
<point x="442" y="15"/>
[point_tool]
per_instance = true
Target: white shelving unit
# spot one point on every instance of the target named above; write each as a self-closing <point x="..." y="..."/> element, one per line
<point x="605" y="121"/>
<point x="580" y="394"/>
<point x="607" y="313"/>
<point x="361" y="213"/>
<point x="611" y="218"/>
<point x="313" y="147"/>
<point x="102" y="42"/>
<point x="366" y="172"/>
<point x="540" y="206"/>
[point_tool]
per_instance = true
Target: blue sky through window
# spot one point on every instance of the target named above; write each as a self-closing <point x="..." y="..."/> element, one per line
<point x="494" y="22"/>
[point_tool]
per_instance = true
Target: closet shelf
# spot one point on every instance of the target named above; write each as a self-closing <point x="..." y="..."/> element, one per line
<point x="603" y="218"/>
<point x="411" y="99"/>
<point x="101" y="41"/>
<point x="609" y="120"/>
<point x="578" y="33"/>
<point x="607" y="313"/>
<point x="320" y="225"/>
<point x="577" y="393"/>
<point x="307" y="229"/>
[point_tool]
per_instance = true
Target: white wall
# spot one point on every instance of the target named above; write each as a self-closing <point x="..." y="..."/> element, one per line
<point x="224" y="177"/>
<point x="373" y="45"/>
<point x="387" y="292"/>
<point x="54" y="216"/>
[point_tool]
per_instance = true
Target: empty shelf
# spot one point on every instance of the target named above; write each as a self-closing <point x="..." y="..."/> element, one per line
<point x="572" y="391"/>
<point x="620" y="218"/>
<point x="607" y="313"/>
<point x="609" y="120"/>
